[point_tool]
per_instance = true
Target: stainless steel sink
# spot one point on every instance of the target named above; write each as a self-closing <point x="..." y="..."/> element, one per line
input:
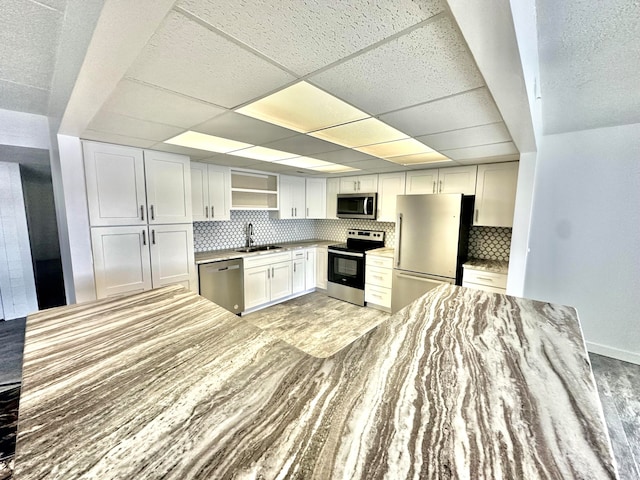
<point x="260" y="248"/>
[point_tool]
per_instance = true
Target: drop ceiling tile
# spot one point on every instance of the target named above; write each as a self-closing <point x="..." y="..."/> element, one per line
<point x="117" y="139"/>
<point x="243" y="129"/>
<point x="23" y="98"/>
<point x="482" y="151"/>
<point x="344" y="156"/>
<point x="153" y="104"/>
<point x="468" y="137"/>
<point x="460" y="111"/>
<point x="185" y="57"/>
<point x="428" y="63"/>
<point x="304" y="145"/>
<point x="57" y="4"/>
<point x="371" y="164"/>
<point x="192" y="153"/>
<point x="29" y="34"/>
<point x="305" y="35"/>
<point x="132" y="127"/>
<point x="231" y="161"/>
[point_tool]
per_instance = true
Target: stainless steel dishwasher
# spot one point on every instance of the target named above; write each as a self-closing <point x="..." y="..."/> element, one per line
<point x="221" y="282"/>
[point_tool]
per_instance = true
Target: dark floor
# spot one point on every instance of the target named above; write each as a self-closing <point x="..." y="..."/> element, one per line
<point x="618" y="385"/>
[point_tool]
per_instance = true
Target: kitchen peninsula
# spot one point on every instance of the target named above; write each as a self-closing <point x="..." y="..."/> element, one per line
<point x="165" y="384"/>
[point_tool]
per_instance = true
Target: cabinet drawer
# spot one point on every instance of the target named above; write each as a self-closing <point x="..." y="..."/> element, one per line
<point x="378" y="295"/>
<point x="383" y="262"/>
<point x="298" y="254"/>
<point x="488" y="279"/>
<point x="378" y="276"/>
<point x="260" y="260"/>
<point x="485" y="288"/>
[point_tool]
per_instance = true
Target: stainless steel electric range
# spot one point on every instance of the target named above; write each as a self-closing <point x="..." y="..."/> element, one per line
<point x="347" y="265"/>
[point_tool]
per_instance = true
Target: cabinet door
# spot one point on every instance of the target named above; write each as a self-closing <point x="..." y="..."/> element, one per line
<point x="120" y="260"/>
<point x="333" y="188"/>
<point x="199" y="192"/>
<point x="257" y="283"/>
<point x="298" y="197"/>
<point x="458" y="180"/>
<point x="172" y="259"/>
<point x="286" y="209"/>
<point x="168" y="179"/>
<point x="368" y="183"/>
<point x="280" y="280"/>
<point x="348" y="185"/>
<point x="115" y="184"/>
<point x="321" y="267"/>
<point x="422" y="182"/>
<point x="219" y="192"/>
<point x="316" y="197"/>
<point x="496" y="194"/>
<point x="298" y="276"/>
<point x="310" y="269"/>
<point x="390" y="185"/>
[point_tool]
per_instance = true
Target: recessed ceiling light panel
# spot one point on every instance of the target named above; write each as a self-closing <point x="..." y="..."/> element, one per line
<point x="432" y="157"/>
<point x="335" y="169"/>
<point x="303" y="108"/>
<point x="264" y="154"/>
<point x="305" y="162"/>
<point x="360" y="133"/>
<point x="409" y="146"/>
<point x="202" y="141"/>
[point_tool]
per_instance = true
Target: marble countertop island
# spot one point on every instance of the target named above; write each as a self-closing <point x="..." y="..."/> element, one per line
<point x="165" y="384"/>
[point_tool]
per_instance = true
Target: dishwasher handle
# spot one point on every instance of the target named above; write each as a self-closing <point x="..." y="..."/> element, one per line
<point x="213" y="268"/>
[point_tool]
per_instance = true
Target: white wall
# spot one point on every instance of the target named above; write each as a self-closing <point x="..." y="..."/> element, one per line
<point x="585" y="234"/>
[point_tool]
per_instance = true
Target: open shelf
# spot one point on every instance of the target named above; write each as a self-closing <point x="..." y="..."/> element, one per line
<point x="253" y="190"/>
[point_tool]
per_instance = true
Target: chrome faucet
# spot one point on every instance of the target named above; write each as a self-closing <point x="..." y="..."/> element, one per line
<point x="249" y="241"/>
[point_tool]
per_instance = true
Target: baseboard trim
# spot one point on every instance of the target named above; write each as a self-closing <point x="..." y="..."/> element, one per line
<point x="616" y="353"/>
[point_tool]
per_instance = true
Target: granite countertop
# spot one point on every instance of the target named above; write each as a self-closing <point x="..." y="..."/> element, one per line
<point x="165" y="384"/>
<point x="494" y="266"/>
<point x="382" y="252"/>
<point x="219" y="255"/>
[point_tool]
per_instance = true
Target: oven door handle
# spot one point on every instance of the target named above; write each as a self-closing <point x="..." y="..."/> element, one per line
<point x="348" y="254"/>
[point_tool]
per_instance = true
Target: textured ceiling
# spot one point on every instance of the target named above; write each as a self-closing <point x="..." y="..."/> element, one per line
<point x="29" y="35"/>
<point x="404" y="62"/>
<point x="589" y="54"/>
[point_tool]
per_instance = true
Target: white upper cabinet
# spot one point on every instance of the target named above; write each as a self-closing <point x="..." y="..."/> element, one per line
<point x="457" y="180"/>
<point x="421" y="182"/>
<point x="292" y="198"/>
<point x="359" y="184"/>
<point x="333" y="188"/>
<point x="390" y="185"/>
<point x="115" y="184"/>
<point x="496" y="194"/>
<point x="316" y="197"/>
<point x="168" y="180"/>
<point x="210" y="192"/>
<point x="442" y="180"/>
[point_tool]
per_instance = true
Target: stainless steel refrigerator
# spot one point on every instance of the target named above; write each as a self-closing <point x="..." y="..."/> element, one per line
<point x="432" y="235"/>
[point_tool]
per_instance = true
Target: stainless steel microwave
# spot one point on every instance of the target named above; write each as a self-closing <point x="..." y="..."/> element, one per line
<point x="357" y="205"/>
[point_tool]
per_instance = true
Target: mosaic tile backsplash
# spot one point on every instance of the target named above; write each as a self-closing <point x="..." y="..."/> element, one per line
<point x="491" y="243"/>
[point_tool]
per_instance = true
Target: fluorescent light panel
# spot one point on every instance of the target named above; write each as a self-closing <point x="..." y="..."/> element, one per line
<point x="303" y="108"/>
<point x="202" y="141"/>
<point x="335" y="169"/>
<point x="360" y="133"/>
<point x="430" y="157"/>
<point x="408" y="146"/>
<point x="306" y="162"/>
<point x="262" y="153"/>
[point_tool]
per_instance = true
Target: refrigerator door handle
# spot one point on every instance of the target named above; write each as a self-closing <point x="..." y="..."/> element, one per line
<point x="399" y="240"/>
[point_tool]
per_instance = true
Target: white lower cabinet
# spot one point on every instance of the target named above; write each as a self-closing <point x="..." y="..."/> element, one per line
<point x="298" y="274"/>
<point x="132" y="259"/>
<point x="322" y="265"/>
<point x="310" y="268"/>
<point x="483" y="280"/>
<point x="267" y="278"/>
<point x="378" y="281"/>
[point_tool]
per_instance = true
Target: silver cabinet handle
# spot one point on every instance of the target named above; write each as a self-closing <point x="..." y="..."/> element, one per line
<point x="213" y="211"/>
<point x="440" y="191"/>
<point x="273" y="272"/>
<point x="144" y="237"/>
<point x="358" y="185"/>
<point x="268" y="273"/>
<point x="294" y="268"/>
<point x="153" y="237"/>
<point x="355" y="186"/>
<point x="476" y="215"/>
<point x="307" y="211"/>
<point x="307" y="256"/>
<point x="292" y="211"/>
<point x="296" y="209"/>
<point x="153" y="215"/>
<point x="399" y="240"/>
<point x="486" y="278"/>
<point x="142" y="212"/>
<point x="206" y="212"/>
<point x="434" y="187"/>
